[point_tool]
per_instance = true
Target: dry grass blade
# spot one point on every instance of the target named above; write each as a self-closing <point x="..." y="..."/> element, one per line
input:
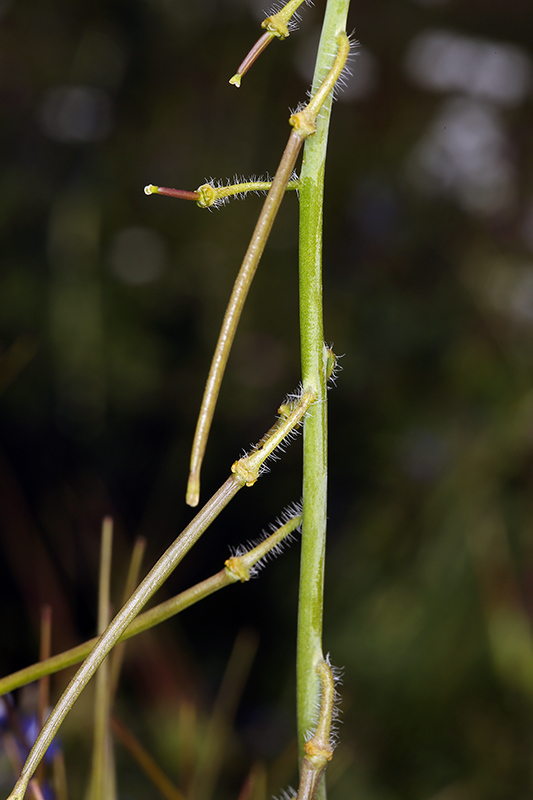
<point x="44" y="682"/>
<point x="132" y="579"/>
<point x="101" y="781"/>
<point x="255" y="785"/>
<point x="212" y="754"/>
<point x="145" y="761"/>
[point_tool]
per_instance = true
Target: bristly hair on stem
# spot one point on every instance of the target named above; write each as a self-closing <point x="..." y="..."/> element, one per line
<point x="279" y="24"/>
<point x="303" y="124"/>
<point x="214" y="194"/>
<point x="249" y="561"/>
<point x="316" y="363"/>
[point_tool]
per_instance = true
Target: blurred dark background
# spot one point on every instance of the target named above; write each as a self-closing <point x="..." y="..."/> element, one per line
<point x="110" y="303"/>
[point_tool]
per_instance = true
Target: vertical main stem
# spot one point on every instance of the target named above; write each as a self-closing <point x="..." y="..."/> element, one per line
<point x="310" y="608"/>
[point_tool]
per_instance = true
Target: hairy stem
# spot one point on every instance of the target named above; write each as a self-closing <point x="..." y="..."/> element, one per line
<point x="318" y="750"/>
<point x="304" y="124"/>
<point x="314" y="366"/>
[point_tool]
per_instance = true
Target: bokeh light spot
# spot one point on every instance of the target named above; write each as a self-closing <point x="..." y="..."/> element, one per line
<point x="138" y="255"/>
<point x="76" y="114"/>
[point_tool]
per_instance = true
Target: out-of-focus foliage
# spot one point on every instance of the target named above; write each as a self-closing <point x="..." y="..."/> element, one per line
<point x="110" y="303"/>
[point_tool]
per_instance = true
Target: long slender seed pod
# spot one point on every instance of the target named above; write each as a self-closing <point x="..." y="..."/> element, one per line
<point x="234" y="310"/>
<point x="304" y="125"/>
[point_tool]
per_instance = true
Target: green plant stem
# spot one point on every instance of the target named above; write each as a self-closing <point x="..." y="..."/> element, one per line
<point x="314" y="357"/>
